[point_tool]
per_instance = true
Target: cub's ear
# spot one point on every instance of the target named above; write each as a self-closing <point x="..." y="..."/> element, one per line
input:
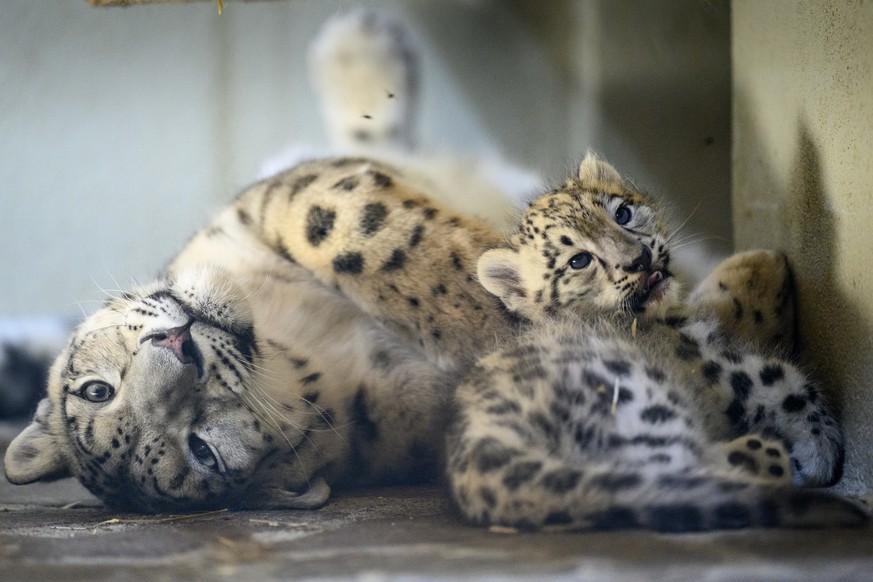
<point x="498" y="271"/>
<point x="595" y="170"/>
<point x="36" y="454"/>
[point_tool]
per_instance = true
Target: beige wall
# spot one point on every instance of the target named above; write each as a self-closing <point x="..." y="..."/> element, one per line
<point x="803" y="182"/>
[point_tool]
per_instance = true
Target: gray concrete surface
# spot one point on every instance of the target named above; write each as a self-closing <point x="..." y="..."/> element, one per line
<point x="59" y="532"/>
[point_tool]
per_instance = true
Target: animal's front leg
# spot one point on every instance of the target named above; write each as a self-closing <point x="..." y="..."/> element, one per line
<point x="752" y="295"/>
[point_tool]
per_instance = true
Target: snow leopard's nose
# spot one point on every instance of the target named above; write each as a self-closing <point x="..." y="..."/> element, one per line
<point x="179" y="341"/>
<point x="642" y="262"/>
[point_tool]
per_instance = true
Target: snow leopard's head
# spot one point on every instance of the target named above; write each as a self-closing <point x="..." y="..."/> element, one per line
<point x="151" y="406"/>
<point x="596" y="245"/>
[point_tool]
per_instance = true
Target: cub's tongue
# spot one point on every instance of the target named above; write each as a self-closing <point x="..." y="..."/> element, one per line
<point x="654" y="279"/>
<point x="653" y="291"/>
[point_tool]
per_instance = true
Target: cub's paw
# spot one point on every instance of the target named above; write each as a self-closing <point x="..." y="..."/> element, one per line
<point x="816" y="449"/>
<point x="752" y="294"/>
<point x="365" y="72"/>
<point x="757" y="457"/>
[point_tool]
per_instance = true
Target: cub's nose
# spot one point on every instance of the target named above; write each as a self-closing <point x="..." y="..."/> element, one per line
<point x="642" y="262"/>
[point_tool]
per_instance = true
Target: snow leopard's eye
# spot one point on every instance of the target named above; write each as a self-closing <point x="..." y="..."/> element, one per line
<point x="96" y="392"/>
<point x="623" y="214"/>
<point x="202" y="452"/>
<point x="580" y="261"/>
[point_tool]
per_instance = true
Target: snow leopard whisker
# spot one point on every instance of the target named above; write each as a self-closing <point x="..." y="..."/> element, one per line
<point x="676" y="230"/>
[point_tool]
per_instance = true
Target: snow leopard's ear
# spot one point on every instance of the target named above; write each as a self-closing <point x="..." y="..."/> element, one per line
<point x="498" y="271"/>
<point x="594" y="170"/>
<point x="36" y="454"/>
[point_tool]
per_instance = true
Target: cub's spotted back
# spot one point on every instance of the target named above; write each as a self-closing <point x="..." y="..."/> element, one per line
<point x="582" y="426"/>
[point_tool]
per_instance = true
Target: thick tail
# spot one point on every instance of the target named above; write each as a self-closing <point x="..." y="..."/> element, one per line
<point x="494" y="487"/>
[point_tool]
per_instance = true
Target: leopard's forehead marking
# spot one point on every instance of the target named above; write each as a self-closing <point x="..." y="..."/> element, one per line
<point x="97" y="345"/>
<point x="552" y="215"/>
<point x="581" y="209"/>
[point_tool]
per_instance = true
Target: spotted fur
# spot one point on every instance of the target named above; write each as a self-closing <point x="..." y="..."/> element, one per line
<point x="410" y="261"/>
<point x="310" y="336"/>
<point x="621" y="408"/>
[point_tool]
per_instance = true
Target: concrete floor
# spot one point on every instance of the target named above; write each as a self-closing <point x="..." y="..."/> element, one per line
<point x="59" y="532"/>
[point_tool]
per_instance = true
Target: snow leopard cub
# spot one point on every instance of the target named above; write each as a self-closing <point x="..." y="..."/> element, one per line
<point x="619" y="407"/>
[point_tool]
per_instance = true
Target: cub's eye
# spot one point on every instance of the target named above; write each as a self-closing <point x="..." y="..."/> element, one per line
<point x="623" y="214"/>
<point x="202" y="452"/>
<point x="580" y="261"/>
<point x="97" y="392"/>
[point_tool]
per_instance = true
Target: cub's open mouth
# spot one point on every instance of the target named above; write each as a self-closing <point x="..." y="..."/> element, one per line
<point x="656" y="286"/>
<point x="654" y="290"/>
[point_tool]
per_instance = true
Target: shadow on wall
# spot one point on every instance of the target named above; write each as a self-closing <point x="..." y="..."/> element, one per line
<point x="834" y="331"/>
<point x="797" y="216"/>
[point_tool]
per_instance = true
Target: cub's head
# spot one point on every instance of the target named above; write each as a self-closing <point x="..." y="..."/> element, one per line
<point x="597" y="245"/>
<point x="150" y="406"/>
